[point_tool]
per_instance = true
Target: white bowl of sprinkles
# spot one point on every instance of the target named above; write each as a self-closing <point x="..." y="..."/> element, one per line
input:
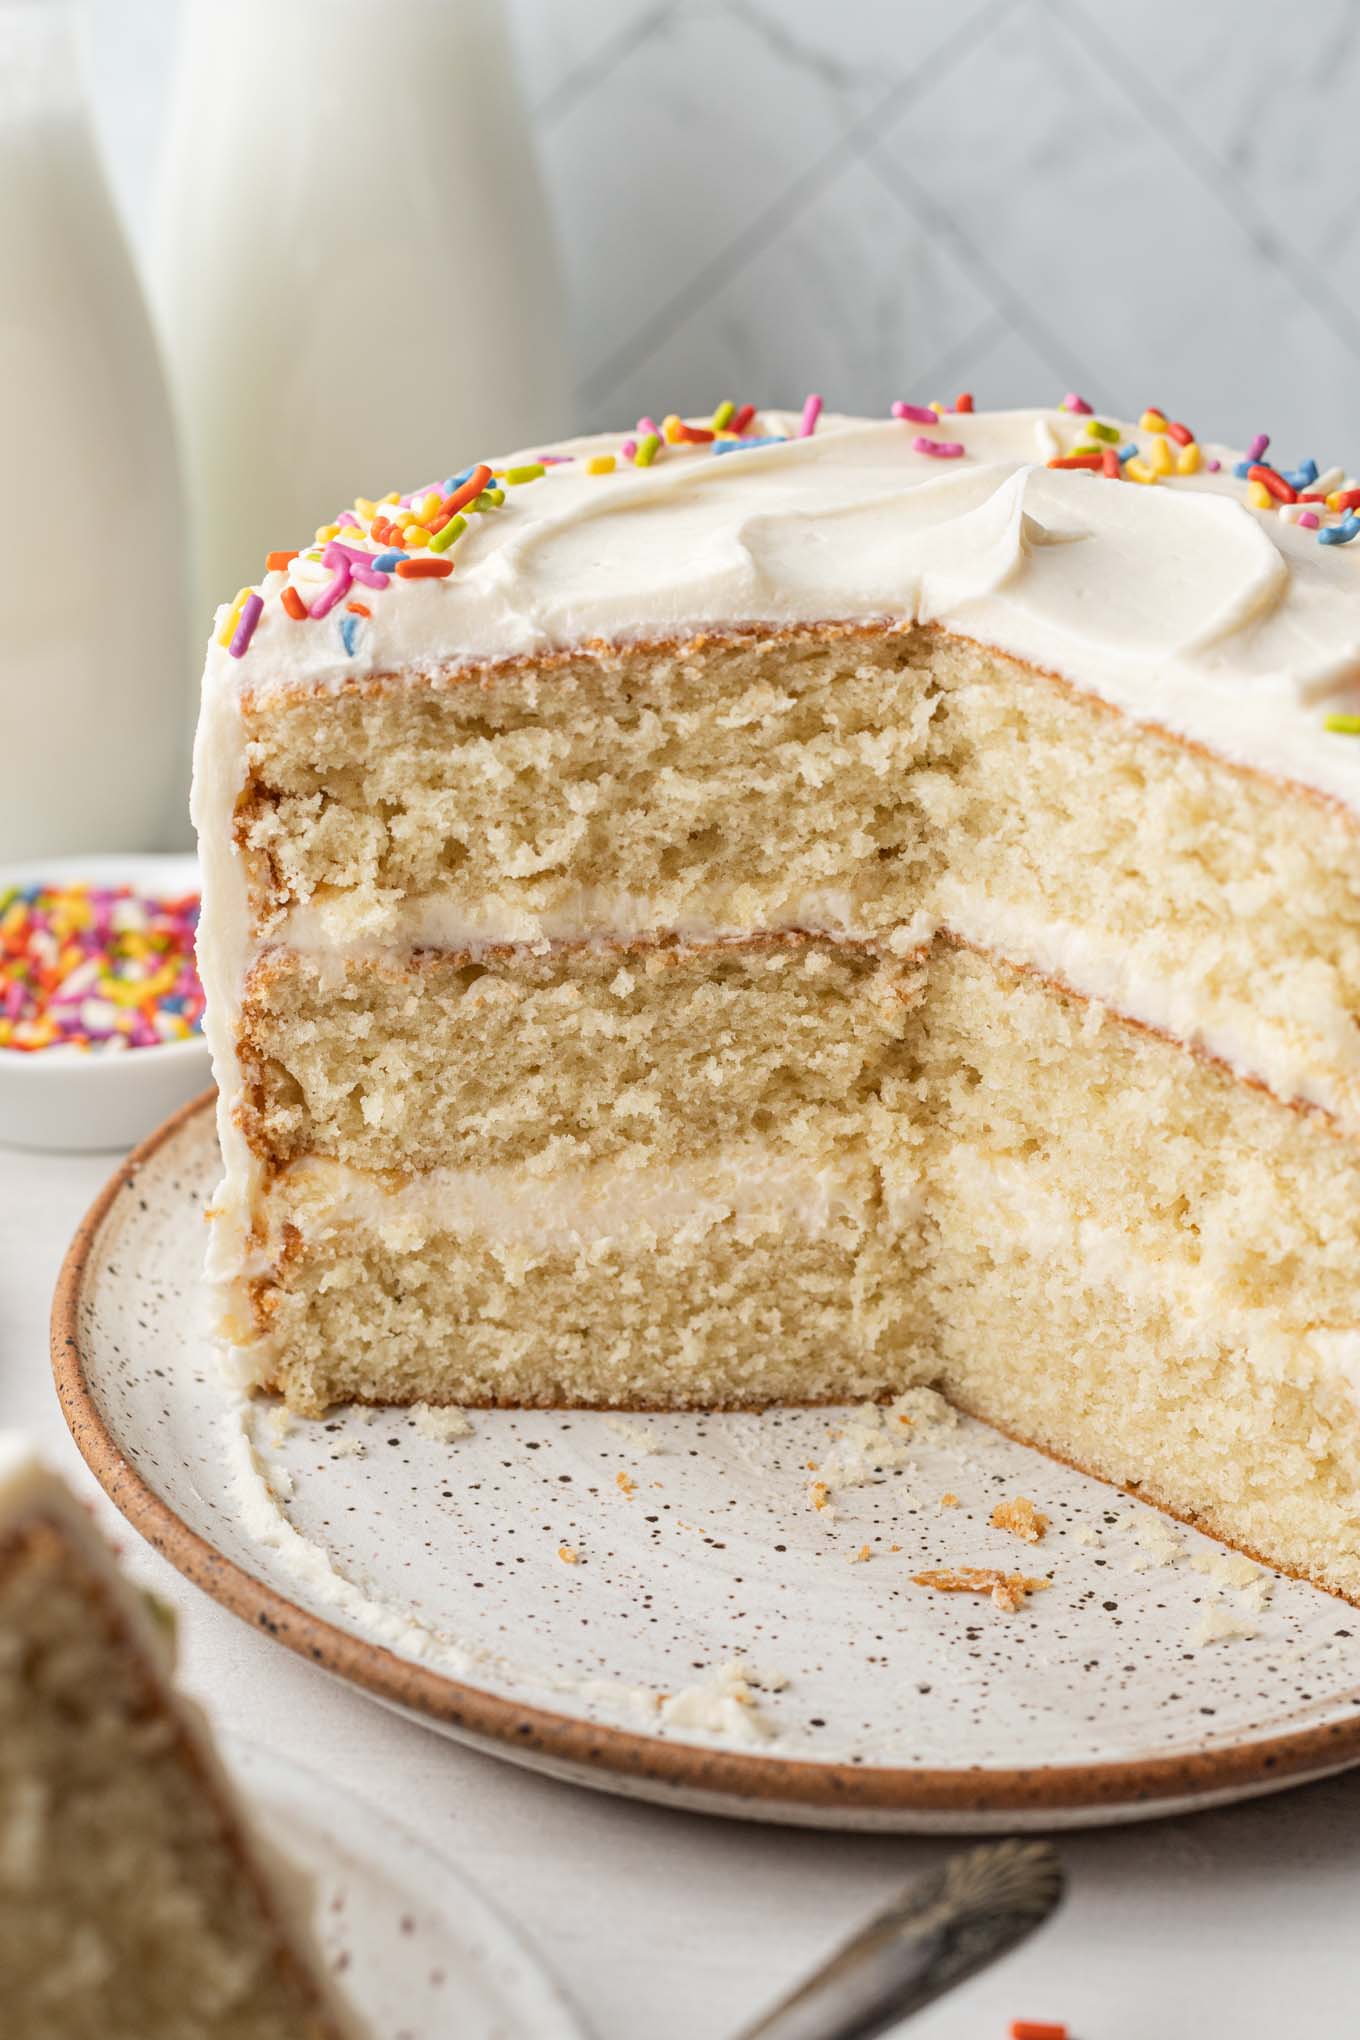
<point x="100" y="1008"/>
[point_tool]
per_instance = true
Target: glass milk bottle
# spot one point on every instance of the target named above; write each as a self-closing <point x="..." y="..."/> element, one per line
<point x="93" y="700"/>
<point x="354" y="272"/>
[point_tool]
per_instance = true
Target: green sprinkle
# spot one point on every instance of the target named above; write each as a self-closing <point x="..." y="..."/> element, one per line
<point x="524" y="474"/>
<point x="1086" y="446"/>
<point x="442" y="540"/>
<point x="490" y="499"/>
<point x="647" y="450"/>
<point x="1109" y="433"/>
<point x="726" y="409"/>
<point x="1343" y="725"/>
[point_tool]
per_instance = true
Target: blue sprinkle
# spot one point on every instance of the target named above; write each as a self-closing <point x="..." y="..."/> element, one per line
<point x="457" y="481"/>
<point x="1129" y="452"/>
<point x="349" y="630"/>
<point x="1303" y="477"/>
<point x="386" y="562"/>
<point x="1243" y="469"/>
<point x="745" y="445"/>
<point x="1340" y="534"/>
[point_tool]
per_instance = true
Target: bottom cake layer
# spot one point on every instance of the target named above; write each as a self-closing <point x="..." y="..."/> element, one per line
<point x="1072" y="1227"/>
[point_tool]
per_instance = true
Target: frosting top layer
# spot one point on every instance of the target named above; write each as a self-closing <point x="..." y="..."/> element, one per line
<point x="1181" y="603"/>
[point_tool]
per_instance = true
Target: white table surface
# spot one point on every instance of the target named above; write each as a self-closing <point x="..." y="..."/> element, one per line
<point x="669" y="1927"/>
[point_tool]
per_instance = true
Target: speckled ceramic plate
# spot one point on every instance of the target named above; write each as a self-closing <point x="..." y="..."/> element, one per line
<point x="574" y="1590"/>
<point x="420" y="1953"/>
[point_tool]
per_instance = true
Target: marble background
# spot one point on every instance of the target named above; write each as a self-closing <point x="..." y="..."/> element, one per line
<point x="882" y="198"/>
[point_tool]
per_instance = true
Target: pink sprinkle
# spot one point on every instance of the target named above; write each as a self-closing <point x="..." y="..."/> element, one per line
<point x="942" y="449"/>
<point x="1258" y="446"/>
<point x="1310" y="520"/>
<point x="359" y="562"/>
<point x="245" y="625"/>
<point x="812" y="411"/>
<point x="554" y="459"/>
<point x="1077" y="405"/>
<point x="347" y="519"/>
<point x="629" y="449"/>
<point x="648" y="428"/>
<point x="330" y="595"/>
<point x="917" y="413"/>
<point x="1214" y="466"/>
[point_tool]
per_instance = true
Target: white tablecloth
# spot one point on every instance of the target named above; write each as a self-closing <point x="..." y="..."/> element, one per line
<point x="669" y="1927"/>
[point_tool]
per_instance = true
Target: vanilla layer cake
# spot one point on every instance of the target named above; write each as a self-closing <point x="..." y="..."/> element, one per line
<point x="135" y="1904"/>
<point x="789" y="916"/>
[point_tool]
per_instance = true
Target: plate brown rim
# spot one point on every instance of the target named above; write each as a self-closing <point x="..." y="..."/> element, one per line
<point x="747" y="1781"/>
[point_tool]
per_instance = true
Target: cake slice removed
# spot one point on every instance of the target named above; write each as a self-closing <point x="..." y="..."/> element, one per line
<point x="135" y="1902"/>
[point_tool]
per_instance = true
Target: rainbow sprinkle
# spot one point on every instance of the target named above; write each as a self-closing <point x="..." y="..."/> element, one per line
<point x="96" y="967"/>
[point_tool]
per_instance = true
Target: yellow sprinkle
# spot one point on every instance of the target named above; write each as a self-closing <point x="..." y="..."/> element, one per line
<point x="1152" y="421"/>
<point x="365" y="508"/>
<point x="1139" y="471"/>
<point x="671" y="429"/>
<point x="1159" y="455"/>
<point x="429" y="508"/>
<point x="1259" y="496"/>
<point x="1190" y="458"/>
<point x="326" y="532"/>
<point x="600" y="464"/>
<point x="392" y="496"/>
<point x="1334" y="500"/>
<point x="936" y="407"/>
<point x="228" y="630"/>
<point x="416" y="535"/>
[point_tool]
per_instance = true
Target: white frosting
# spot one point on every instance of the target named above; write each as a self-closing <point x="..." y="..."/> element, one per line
<point x="583" y="1206"/>
<point x="1179" y="603"/>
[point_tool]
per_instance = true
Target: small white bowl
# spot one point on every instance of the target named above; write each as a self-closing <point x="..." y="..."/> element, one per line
<point x="77" y="1099"/>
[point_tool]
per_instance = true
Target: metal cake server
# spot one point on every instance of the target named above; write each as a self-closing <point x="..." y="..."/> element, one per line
<point x="944" y="1927"/>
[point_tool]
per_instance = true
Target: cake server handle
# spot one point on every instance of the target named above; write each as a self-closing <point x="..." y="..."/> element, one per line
<point x="942" y="1928"/>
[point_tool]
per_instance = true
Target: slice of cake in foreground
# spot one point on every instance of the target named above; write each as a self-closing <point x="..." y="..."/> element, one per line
<point x="804" y="916"/>
<point x="135" y="1903"/>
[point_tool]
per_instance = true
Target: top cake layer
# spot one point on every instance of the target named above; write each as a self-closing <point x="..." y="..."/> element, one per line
<point x="1197" y="602"/>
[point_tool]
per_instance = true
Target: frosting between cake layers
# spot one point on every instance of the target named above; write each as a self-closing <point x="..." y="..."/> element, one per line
<point x="581" y="1207"/>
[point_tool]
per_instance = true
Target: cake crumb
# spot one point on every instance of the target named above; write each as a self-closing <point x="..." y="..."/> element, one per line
<point x="349" y="1448"/>
<point x="280" y="1422"/>
<point x="1158" y="1544"/>
<point x="625" y="1484"/>
<point x="441" y="1424"/>
<point x="1221" y="1624"/>
<point x="859" y="1557"/>
<point x="568" y="1554"/>
<point x="641" y="1437"/>
<point x="1021" y="1519"/>
<point x="819" y="1494"/>
<point x="1229" y="1568"/>
<point x="1084" y="1534"/>
<point x="950" y="1501"/>
<point x="1006" y="1591"/>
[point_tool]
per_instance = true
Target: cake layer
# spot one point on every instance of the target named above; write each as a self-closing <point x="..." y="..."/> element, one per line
<point x="865" y="783"/>
<point x="583" y="1053"/>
